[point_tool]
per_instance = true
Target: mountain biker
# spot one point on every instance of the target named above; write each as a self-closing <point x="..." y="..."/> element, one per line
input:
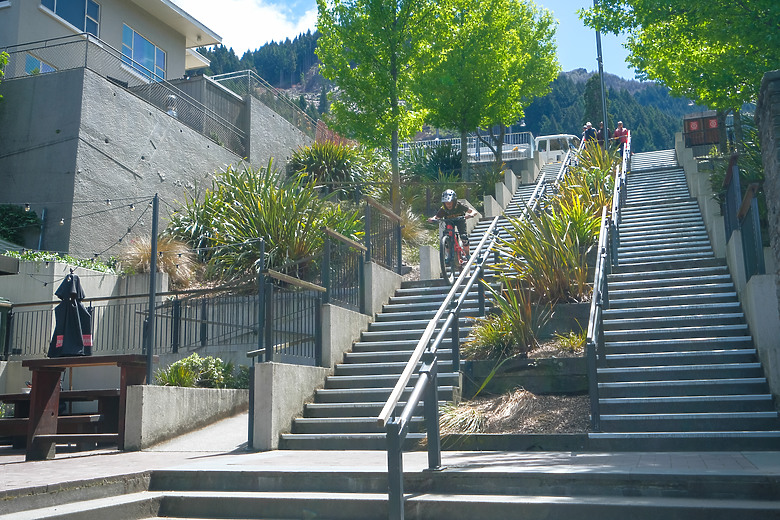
<point x="451" y="208"/>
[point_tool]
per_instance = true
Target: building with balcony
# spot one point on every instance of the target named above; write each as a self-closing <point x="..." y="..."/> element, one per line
<point x="99" y="105"/>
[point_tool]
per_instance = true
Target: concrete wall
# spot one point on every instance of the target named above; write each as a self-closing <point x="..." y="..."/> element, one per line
<point x="280" y="392"/>
<point x="271" y="136"/>
<point x="340" y="329"/>
<point x="381" y="283"/>
<point x="158" y="413"/>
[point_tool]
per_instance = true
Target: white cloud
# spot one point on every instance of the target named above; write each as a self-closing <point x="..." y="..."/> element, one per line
<point x="248" y="24"/>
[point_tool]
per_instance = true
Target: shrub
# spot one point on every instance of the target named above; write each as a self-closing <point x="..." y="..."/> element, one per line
<point x="513" y="331"/>
<point x="331" y="166"/>
<point x="245" y="205"/>
<point x="203" y="372"/>
<point x="174" y="257"/>
<point x="14" y="219"/>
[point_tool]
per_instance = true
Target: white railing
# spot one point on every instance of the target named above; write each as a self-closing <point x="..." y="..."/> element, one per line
<point x="518" y="145"/>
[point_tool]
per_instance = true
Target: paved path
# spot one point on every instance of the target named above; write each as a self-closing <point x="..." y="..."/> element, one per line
<point x="223" y="446"/>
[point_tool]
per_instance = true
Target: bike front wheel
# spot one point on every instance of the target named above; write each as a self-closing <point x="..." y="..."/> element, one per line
<point x="446" y="258"/>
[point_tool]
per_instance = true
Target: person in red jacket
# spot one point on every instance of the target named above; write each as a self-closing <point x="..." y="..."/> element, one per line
<point x="621" y="136"/>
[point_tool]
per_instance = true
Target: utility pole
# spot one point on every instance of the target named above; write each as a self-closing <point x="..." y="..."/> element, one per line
<point x="601" y="77"/>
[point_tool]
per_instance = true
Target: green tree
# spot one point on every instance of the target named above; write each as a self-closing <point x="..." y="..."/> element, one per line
<point x="3" y="62"/>
<point x="528" y="67"/>
<point x="371" y="50"/>
<point x="711" y="51"/>
<point x="593" y="108"/>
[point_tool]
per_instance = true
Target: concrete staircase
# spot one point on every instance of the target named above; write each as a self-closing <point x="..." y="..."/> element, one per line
<point x="681" y="371"/>
<point x="343" y="413"/>
<point x="498" y="486"/>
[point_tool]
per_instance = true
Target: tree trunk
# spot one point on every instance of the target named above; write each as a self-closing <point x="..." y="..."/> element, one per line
<point x="464" y="156"/>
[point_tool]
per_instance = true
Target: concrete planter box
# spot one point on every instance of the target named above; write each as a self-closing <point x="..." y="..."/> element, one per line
<point x="543" y="375"/>
<point x="158" y="413"/>
<point x="540" y="376"/>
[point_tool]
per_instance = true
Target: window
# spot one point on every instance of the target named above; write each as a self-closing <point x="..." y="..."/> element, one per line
<point x="142" y="55"/>
<point x="82" y="14"/>
<point x="33" y="66"/>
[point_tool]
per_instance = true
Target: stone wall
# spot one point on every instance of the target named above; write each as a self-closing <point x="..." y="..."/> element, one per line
<point x="768" y="119"/>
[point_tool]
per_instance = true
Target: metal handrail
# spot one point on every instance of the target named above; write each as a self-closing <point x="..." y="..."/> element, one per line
<point x="425" y="351"/>
<point x="607" y="259"/>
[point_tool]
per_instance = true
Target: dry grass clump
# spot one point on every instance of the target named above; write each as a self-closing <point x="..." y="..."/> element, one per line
<point x="518" y="411"/>
<point x="174" y="257"/>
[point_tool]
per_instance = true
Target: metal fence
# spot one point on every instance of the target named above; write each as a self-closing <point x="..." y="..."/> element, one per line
<point x="247" y="82"/>
<point x="86" y="51"/>
<point x="383" y="235"/>
<point x="517" y="145"/>
<point x="342" y="271"/>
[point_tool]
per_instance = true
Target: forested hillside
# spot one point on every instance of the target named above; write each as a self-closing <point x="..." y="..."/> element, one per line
<point x="646" y="108"/>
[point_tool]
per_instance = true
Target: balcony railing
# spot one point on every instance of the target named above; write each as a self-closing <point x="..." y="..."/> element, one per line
<point x="246" y="83"/>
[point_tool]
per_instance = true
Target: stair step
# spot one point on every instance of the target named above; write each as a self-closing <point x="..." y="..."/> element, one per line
<point x="729" y="421"/>
<point x="702" y="309"/>
<point x="752" y="385"/>
<point x="336" y="425"/>
<point x="712" y="331"/>
<point x="680" y="372"/>
<point x="664" y="345"/>
<point x="687" y="404"/>
<point x="693" y="357"/>
<point x="379" y="380"/>
<point x="347" y="441"/>
<point x="652" y="322"/>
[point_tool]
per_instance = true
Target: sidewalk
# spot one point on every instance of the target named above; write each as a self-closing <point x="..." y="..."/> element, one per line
<point x="223" y="446"/>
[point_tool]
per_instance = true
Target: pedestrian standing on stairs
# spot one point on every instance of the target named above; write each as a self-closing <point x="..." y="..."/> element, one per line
<point x="621" y="136"/>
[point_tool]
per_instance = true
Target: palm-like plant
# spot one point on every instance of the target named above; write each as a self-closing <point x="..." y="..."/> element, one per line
<point x="245" y="205"/>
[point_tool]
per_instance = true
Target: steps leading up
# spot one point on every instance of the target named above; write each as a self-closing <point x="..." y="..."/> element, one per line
<point x="679" y="362"/>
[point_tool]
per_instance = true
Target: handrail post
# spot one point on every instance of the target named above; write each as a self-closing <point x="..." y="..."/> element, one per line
<point x="261" y="281"/>
<point x="399" y="248"/>
<point x="593" y="385"/>
<point x="362" y="283"/>
<point x="326" y="270"/>
<point x="318" y="300"/>
<point x="431" y="411"/>
<point x="269" y="320"/>
<point x="368" y="232"/>
<point x="481" y="295"/>
<point x="455" y="341"/>
<point x="9" y="324"/>
<point x="395" y="471"/>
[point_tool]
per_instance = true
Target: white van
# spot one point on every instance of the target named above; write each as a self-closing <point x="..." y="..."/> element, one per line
<point x="553" y="148"/>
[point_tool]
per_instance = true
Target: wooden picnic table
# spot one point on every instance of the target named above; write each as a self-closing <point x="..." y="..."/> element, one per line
<point x="42" y="434"/>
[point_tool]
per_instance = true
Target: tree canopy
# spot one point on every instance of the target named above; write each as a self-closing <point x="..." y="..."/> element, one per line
<point x="492" y="58"/>
<point x="712" y="51"/>
<point x="371" y="50"/>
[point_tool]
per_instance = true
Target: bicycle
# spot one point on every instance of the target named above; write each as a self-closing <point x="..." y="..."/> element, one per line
<point x="452" y="254"/>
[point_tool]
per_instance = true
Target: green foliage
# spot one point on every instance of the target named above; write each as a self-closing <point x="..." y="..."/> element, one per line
<point x="751" y="170"/>
<point x="3" y="62"/>
<point x="203" y="372"/>
<point x="514" y="330"/>
<point x="372" y="50"/>
<point x="695" y="48"/>
<point x="572" y="341"/>
<point x="14" y="220"/>
<point x="427" y="163"/>
<point x="646" y="108"/>
<point x="245" y="205"/>
<point x="333" y="166"/>
<point x="109" y="266"/>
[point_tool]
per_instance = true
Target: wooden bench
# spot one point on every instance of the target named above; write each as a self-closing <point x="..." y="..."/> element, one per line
<point x="105" y="420"/>
<point x="42" y="431"/>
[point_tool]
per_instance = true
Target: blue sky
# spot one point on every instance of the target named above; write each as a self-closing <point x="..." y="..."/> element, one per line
<point x="248" y="24"/>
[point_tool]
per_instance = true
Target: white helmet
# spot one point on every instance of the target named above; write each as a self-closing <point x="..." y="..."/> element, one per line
<point x="449" y="196"/>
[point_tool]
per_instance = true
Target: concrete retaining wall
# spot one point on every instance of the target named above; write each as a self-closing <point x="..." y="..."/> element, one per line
<point x="280" y="392"/>
<point x="158" y="413"/>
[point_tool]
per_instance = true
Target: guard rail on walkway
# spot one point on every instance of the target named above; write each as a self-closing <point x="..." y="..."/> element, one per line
<point x="606" y="260"/>
<point x="426" y="352"/>
<point x="741" y="213"/>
